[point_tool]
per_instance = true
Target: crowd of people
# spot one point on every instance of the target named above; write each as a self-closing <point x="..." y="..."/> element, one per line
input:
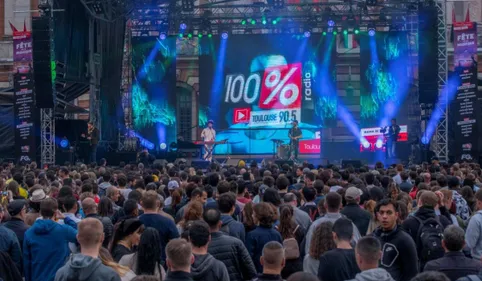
<point x="245" y="222"/>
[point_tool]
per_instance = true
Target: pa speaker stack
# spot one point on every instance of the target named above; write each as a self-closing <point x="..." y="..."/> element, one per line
<point x="43" y="61"/>
<point x="428" y="54"/>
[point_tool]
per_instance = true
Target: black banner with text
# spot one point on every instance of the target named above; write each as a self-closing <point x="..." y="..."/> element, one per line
<point x="24" y="109"/>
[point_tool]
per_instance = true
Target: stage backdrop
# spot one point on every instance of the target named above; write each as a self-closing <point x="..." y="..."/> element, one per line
<point x="254" y="86"/>
<point x="153" y="90"/>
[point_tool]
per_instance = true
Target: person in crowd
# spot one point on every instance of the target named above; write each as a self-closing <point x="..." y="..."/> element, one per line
<point x="126" y="236"/>
<point x="122" y="185"/>
<point x="89" y="208"/>
<point x="113" y="194"/>
<point x="106" y="207"/>
<point x="292" y="235"/>
<point x="151" y="218"/>
<point x="247" y="217"/>
<point x="309" y="195"/>
<point x="406" y="185"/>
<point x="9" y="242"/>
<point x="179" y="260"/>
<point x="333" y="205"/>
<point x="339" y="264"/>
<point x="86" y="264"/>
<point x="147" y="259"/>
<point x="69" y="207"/>
<point x="399" y="253"/>
<point x="229" y="250"/>
<point x="467" y="193"/>
<point x="301" y="217"/>
<point x="33" y="214"/>
<point x="430" y="276"/>
<point x="273" y="262"/>
<point x="199" y="195"/>
<point x="454" y="263"/>
<point x="129" y="210"/>
<point x="354" y="212"/>
<point x="241" y="191"/>
<point x="106" y="177"/>
<point x="227" y="206"/>
<point x="461" y="206"/>
<point x="321" y="242"/>
<point x="205" y="266"/>
<point x="368" y="254"/>
<point x="264" y="217"/>
<point x="473" y="235"/>
<point x="303" y="276"/>
<point x="18" y="211"/>
<point x="123" y="271"/>
<point x="193" y="212"/>
<point x="46" y="243"/>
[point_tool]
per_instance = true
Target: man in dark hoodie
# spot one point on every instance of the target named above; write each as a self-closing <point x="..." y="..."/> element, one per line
<point x="399" y="253"/>
<point x="46" y="243"/>
<point x="205" y="266"/>
<point x="368" y="253"/>
<point x="227" y="205"/>
<point x="86" y="266"/>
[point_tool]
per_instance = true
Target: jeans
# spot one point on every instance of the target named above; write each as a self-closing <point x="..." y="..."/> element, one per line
<point x="93" y="153"/>
<point x="391" y="149"/>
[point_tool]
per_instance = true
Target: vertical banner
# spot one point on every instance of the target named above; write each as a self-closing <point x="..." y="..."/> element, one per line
<point x="22" y="50"/>
<point x="24" y="110"/>
<point x="464" y="113"/>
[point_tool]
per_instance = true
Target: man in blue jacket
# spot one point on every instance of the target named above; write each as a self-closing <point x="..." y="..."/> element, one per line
<point x="227" y="205"/>
<point x="46" y="243"/>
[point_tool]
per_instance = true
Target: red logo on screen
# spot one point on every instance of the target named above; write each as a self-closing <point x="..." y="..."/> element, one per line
<point x="281" y="87"/>
<point x="241" y="115"/>
<point x="310" y="146"/>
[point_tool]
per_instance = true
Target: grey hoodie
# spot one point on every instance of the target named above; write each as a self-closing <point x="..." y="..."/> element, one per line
<point x="206" y="267"/>
<point x="82" y="268"/>
<point x="376" y="274"/>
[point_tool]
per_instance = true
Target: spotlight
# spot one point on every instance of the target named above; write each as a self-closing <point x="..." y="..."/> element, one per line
<point x="324" y="33"/>
<point x="163" y="36"/>
<point x="264" y="21"/>
<point x="379" y="143"/>
<point x="345" y="32"/>
<point x="243" y="22"/>
<point x="371" y="32"/>
<point x="274" y="21"/>
<point x="181" y="35"/>
<point x="253" y="21"/>
<point x="307" y="34"/>
<point x="210" y="35"/>
<point x="199" y="35"/>
<point x="335" y="32"/>
<point x="331" y="23"/>
<point x="64" y="143"/>
<point x="425" y="140"/>
<point x="163" y="146"/>
<point x="183" y="26"/>
<point x="224" y="35"/>
<point x="189" y="35"/>
<point x="365" y="143"/>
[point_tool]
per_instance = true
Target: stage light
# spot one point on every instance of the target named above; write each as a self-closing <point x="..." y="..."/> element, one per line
<point x="324" y="33"/>
<point x="307" y="34"/>
<point x="365" y="143"/>
<point x="243" y="22"/>
<point x="163" y="36"/>
<point x="189" y="35"/>
<point x="345" y="32"/>
<point x="224" y="35"/>
<point x="425" y="140"/>
<point x="183" y="26"/>
<point x="379" y="143"/>
<point x="210" y="35"/>
<point x="264" y="21"/>
<point x="200" y="35"/>
<point x="181" y="35"/>
<point x="64" y="143"/>
<point x="356" y="30"/>
<point x="331" y="23"/>
<point x="371" y="32"/>
<point x="274" y="21"/>
<point x="163" y="146"/>
<point x="253" y="21"/>
<point x="335" y="33"/>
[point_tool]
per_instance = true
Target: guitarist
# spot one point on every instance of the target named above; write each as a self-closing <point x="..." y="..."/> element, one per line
<point x="392" y="138"/>
<point x="93" y="137"/>
<point x="295" y="135"/>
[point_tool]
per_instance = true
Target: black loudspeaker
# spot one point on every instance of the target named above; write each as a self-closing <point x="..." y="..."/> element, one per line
<point x="42" y="45"/>
<point x="354" y="163"/>
<point x="200" y="164"/>
<point x="428" y="55"/>
<point x="282" y="162"/>
<point x="62" y="156"/>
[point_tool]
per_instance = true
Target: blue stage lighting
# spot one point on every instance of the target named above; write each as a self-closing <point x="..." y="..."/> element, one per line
<point x="425" y="140"/>
<point x="365" y="143"/>
<point x="163" y="146"/>
<point x="224" y="35"/>
<point x="331" y="23"/>
<point x="307" y="34"/>
<point x="183" y="25"/>
<point x="371" y="32"/>
<point x="379" y="143"/>
<point x="163" y="36"/>
<point x="64" y="143"/>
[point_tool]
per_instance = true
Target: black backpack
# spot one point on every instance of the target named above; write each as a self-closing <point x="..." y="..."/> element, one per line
<point x="429" y="244"/>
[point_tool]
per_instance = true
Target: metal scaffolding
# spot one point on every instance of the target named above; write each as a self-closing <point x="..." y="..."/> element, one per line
<point x="47" y="136"/>
<point x="440" y="143"/>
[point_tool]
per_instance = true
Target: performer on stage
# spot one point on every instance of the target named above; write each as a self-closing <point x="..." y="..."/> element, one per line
<point x="208" y="135"/>
<point x="295" y="135"/>
<point x="392" y="139"/>
<point x="93" y="136"/>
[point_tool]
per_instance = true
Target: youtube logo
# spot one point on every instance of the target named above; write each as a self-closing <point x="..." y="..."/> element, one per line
<point x="241" y="115"/>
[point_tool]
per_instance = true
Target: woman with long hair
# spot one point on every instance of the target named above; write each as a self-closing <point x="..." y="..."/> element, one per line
<point x="290" y="230"/>
<point x="147" y="259"/>
<point x="106" y="209"/>
<point x="321" y="242"/>
<point x="248" y="220"/>
<point x="468" y="194"/>
<point x="124" y="272"/>
<point x="126" y="236"/>
<point x="176" y="199"/>
<point x="370" y="207"/>
<point x="193" y="212"/>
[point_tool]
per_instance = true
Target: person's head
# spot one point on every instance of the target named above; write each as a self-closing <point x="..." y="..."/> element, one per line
<point x="319" y="186"/>
<point x="322" y="240"/>
<point x="368" y="252"/>
<point x="129" y="231"/>
<point x="90" y="234"/>
<point x="148" y="252"/>
<point x="309" y="178"/>
<point x="210" y="123"/>
<point x="294" y="123"/>
<point x="264" y="214"/>
<point x="179" y="255"/>
<point x="113" y="193"/>
<point x="273" y="258"/>
<point x="212" y="217"/>
<point x="193" y="211"/>
<point x="453" y="239"/>
<point x="302" y="276"/>
<point x="352" y="195"/>
<point x="131" y="208"/>
<point x="342" y="230"/>
<point x="291" y="199"/>
<point x="90" y="125"/>
<point x="286" y="218"/>
<point x="428" y="199"/>
<point x="199" y="195"/>
<point x="17" y="208"/>
<point x="387" y="214"/>
<point x="199" y="235"/>
<point x="309" y="194"/>
<point x="271" y="195"/>
<point x="282" y="183"/>
<point x="394" y="121"/>
<point x="88" y="206"/>
<point x="48" y="208"/>
<point x="227" y="203"/>
<point x="431" y="276"/>
<point x="333" y="202"/>
<point x="106" y="207"/>
<point x="150" y="201"/>
<point x="68" y="204"/>
<point x="478" y="196"/>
